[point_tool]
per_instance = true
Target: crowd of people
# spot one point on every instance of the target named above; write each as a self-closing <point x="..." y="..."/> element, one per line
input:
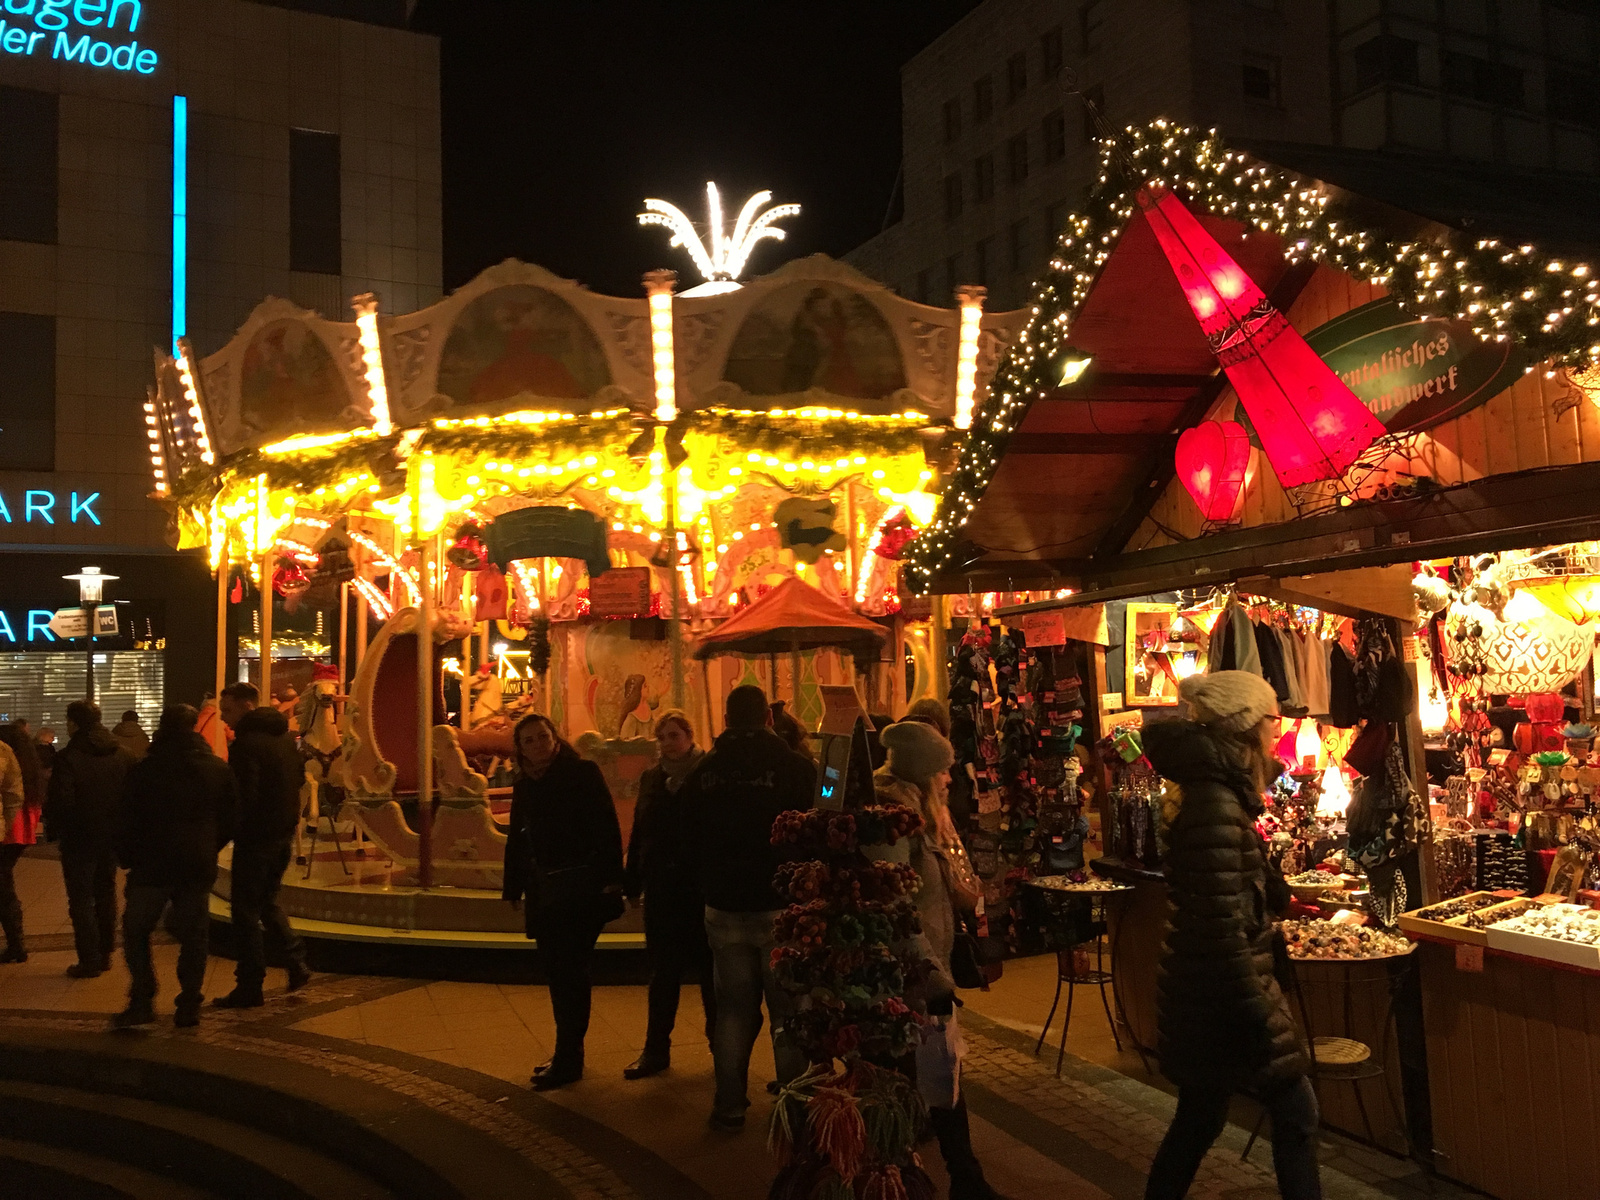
<point x="700" y="860"/>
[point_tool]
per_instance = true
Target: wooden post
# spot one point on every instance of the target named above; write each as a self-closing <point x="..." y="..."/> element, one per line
<point x="711" y="708"/>
<point x="939" y="648"/>
<point x="425" y="716"/>
<point x="269" y="565"/>
<point x="1416" y="756"/>
<point x="344" y="637"/>
<point x="794" y="684"/>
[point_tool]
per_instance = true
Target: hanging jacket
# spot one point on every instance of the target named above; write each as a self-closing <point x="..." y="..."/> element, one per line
<point x="1222" y="1017"/>
<point x="1271" y="653"/>
<point x="1238" y="635"/>
<point x="1314" y="657"/>
<point x="1342" y="709"/>
<point x="1291" y="670"/>
<point x="85" y="789"/>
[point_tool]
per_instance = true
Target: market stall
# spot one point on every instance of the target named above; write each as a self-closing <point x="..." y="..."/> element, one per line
<point x="1298" y="384"/>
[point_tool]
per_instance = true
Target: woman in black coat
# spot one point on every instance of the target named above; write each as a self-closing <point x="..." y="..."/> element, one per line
<point x="564" y="857"/>
<point x="1224" y="1025"/>
<point x="662" y="871"/>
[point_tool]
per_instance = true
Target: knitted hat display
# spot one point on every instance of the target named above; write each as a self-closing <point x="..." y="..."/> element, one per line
<point x="916" y="751"/>
<point x="1228" y="701"/>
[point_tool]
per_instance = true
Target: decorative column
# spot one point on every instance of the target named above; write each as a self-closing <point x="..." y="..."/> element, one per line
<point x="969" y="299"/>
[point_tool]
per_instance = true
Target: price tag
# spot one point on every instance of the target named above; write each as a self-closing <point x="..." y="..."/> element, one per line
<point x="1476" y="774"/>
<point x="1469" y="958"/>
<point x="1408" y="650"/>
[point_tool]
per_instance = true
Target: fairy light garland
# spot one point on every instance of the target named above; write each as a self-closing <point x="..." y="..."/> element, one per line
<point x="1504" y="292"/>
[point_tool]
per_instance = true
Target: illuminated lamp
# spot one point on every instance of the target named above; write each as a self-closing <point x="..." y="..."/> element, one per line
<point x="1533" y="650"/>
<point x="970" y="301"/>
<point x="366" y="308"/>
<point x="1334" y="798"/>
<point x="1575" y="597"/>
<point x="658" y="286"/>
<point x="1307" y="742"/>
<point x="1311" y="425"/>
<point x="1072" y="368"/>
<point x="1211" y="459"/>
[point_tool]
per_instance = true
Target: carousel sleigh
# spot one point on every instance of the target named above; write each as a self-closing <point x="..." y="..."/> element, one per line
<point x="378" y="768"/>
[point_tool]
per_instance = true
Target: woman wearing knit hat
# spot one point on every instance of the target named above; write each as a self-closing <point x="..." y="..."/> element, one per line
<point x="916" y="775"/>
<point x="1224" y="1025"/>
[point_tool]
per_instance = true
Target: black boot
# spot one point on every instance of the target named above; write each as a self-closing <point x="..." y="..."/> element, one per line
<point x="950" y="1126"/>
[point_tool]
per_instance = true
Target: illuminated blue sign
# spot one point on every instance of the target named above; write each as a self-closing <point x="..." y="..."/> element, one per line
<point x="24" y="627"/>
<point x="44" y="507"/>
<point x="81" y="31"/>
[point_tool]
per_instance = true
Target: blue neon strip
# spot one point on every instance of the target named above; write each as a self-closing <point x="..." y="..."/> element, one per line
<point x="180" y="219"/>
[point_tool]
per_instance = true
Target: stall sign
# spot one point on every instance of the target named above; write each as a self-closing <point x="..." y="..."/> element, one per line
<point x="45" y="506"/>
<point x="90" y="32"/>
<point x="621" y="592"/>
<point x="1041" y="628"/>
<point x="1414" y="373"/>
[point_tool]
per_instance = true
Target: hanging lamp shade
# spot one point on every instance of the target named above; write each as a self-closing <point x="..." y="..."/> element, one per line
<point x="1532" y="649"/>
<point x="1575" y="597"/>
<point x="1311" y="425"/>
<point x="1211" y="459"/>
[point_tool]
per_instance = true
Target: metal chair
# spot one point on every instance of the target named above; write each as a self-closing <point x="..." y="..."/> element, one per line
<point x="1079" y="934"/>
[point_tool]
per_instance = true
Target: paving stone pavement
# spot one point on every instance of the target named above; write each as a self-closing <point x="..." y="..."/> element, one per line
<point x="466" y="1049"/>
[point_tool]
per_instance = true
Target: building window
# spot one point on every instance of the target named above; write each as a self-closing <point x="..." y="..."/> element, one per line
<point x="1017" y="244"/>
<point x="982" y="100"/>
<point x="952" y="119"/>
<point x="1016" y="76"/>
<point x="314" y="231"/>
<point x="1055" y="219"/>
<point x="1479" y="79"/>
<point x="1259" y="77"/>
<point x="1094" y="105"/>
<point x="981" y="253"/>
<point x="1091" y="19"/>
<point x="952" y="197"/>
<point x="983" y="178"/>
<point x="27" y="392"/>
<point x="1570" y="95"/>
<point x="27" y="166"/>
<point x="952" y="276"/>
<point x="1386" y="59"/>
<point x="922" y="287"/>
<point x="1017" y="158"/>
<point x="1055" y="136"/>
<point x="1050" y="52"/>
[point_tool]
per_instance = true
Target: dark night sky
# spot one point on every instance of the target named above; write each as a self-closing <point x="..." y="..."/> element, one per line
<point x="561" y="117"/>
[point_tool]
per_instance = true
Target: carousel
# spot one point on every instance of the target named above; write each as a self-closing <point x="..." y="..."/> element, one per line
<point x="529" y="497"/>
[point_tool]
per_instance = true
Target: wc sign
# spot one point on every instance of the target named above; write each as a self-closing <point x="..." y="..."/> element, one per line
<point x="95" y="33"/>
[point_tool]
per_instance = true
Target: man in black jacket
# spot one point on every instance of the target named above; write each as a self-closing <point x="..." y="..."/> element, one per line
<point x="730" y="802"/>
<point x="267" y="765"/>
<point x="81" y="809"/>
<point x="179" y="806"/>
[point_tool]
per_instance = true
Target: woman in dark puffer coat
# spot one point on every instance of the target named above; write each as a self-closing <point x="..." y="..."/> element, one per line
<point x="1224" y="1025"/>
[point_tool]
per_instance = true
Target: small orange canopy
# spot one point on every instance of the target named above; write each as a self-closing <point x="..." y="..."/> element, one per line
<point x="792" y="616"/>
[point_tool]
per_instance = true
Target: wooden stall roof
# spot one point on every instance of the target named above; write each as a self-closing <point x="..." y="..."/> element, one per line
<point x="1085" y="497"/>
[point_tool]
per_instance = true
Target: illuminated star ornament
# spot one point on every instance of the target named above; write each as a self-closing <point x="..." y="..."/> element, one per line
<point x="724" y="260"/>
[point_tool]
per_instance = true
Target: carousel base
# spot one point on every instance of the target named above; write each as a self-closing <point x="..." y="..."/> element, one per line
<point x="362" y="899"/>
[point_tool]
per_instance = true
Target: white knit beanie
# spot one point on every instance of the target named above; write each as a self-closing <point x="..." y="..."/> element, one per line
<point x="1228" y="701"/>
<point x="916" y="751"/>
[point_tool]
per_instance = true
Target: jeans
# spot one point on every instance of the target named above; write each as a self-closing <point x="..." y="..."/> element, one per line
<point x="90" y="873"/>
<point x="1203" y="1111"/>
<point x="10" y="906"/>
<point x="741" y="955"/>
<point x="257" y="875"/>
<point x="675" y="938"/>
<point x="566" y="951"/>
<point x="190" y="921"/>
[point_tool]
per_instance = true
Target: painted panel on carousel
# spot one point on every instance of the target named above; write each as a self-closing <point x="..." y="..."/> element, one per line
<point x="287" y="373"/>
<point x="519" y="337"/>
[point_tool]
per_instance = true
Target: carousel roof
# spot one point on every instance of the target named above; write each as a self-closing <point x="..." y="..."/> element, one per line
<point x="792" y="616"/>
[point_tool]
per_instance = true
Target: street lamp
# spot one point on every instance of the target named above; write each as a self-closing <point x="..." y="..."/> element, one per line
<point x="91" y="588"/>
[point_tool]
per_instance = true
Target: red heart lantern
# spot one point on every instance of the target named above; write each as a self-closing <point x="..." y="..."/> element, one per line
<point x="1211" y="459"/>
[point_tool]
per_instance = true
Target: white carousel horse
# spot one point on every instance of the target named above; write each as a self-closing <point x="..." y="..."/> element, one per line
<point x="320" y="745"/>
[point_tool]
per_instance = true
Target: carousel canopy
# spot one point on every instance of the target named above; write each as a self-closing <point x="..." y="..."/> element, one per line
<point x="792" y="616"/>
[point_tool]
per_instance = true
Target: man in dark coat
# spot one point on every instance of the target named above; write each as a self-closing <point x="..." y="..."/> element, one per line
<point x="1224" y="1025"/>
<point x="729" y="803"/>
<point x="81" y="809"/>
<point x="179" y="806"/>
<point x="267" y="765"/>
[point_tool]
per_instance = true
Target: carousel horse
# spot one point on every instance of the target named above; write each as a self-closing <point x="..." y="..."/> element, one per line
<point x="377" y="766"/>
<point x="320" y="745"/>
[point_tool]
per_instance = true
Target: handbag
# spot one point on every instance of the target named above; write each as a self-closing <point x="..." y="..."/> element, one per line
<point x="571" y="891"/>
<point x="961" y="882"/>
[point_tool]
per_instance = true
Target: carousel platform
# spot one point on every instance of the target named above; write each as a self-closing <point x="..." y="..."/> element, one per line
<point x="365" y="900"/>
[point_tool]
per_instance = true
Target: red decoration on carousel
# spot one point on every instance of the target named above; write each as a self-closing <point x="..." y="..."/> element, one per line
<point x="491" y="594"/>
<point x="290" y="579"/>
<point x="468" y="551"/>
<point x="324" y="672"/>
<point x="1211" y="459"/>
<point x="1311" y="425"/>
<point x="894" y="536"/>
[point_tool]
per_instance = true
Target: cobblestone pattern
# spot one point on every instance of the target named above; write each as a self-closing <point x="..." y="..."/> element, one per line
<point x="582" y="1176"/>
<point x="1121" y="1130"/>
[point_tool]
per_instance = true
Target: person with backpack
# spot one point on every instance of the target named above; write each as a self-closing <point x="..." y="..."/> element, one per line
<point x="179" y="806"/>
<point x="81" y="810"/>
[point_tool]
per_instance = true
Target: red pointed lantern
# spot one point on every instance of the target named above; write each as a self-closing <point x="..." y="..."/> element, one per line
<point x="1211" y="459"/>
<point x="1311" y="425"/>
